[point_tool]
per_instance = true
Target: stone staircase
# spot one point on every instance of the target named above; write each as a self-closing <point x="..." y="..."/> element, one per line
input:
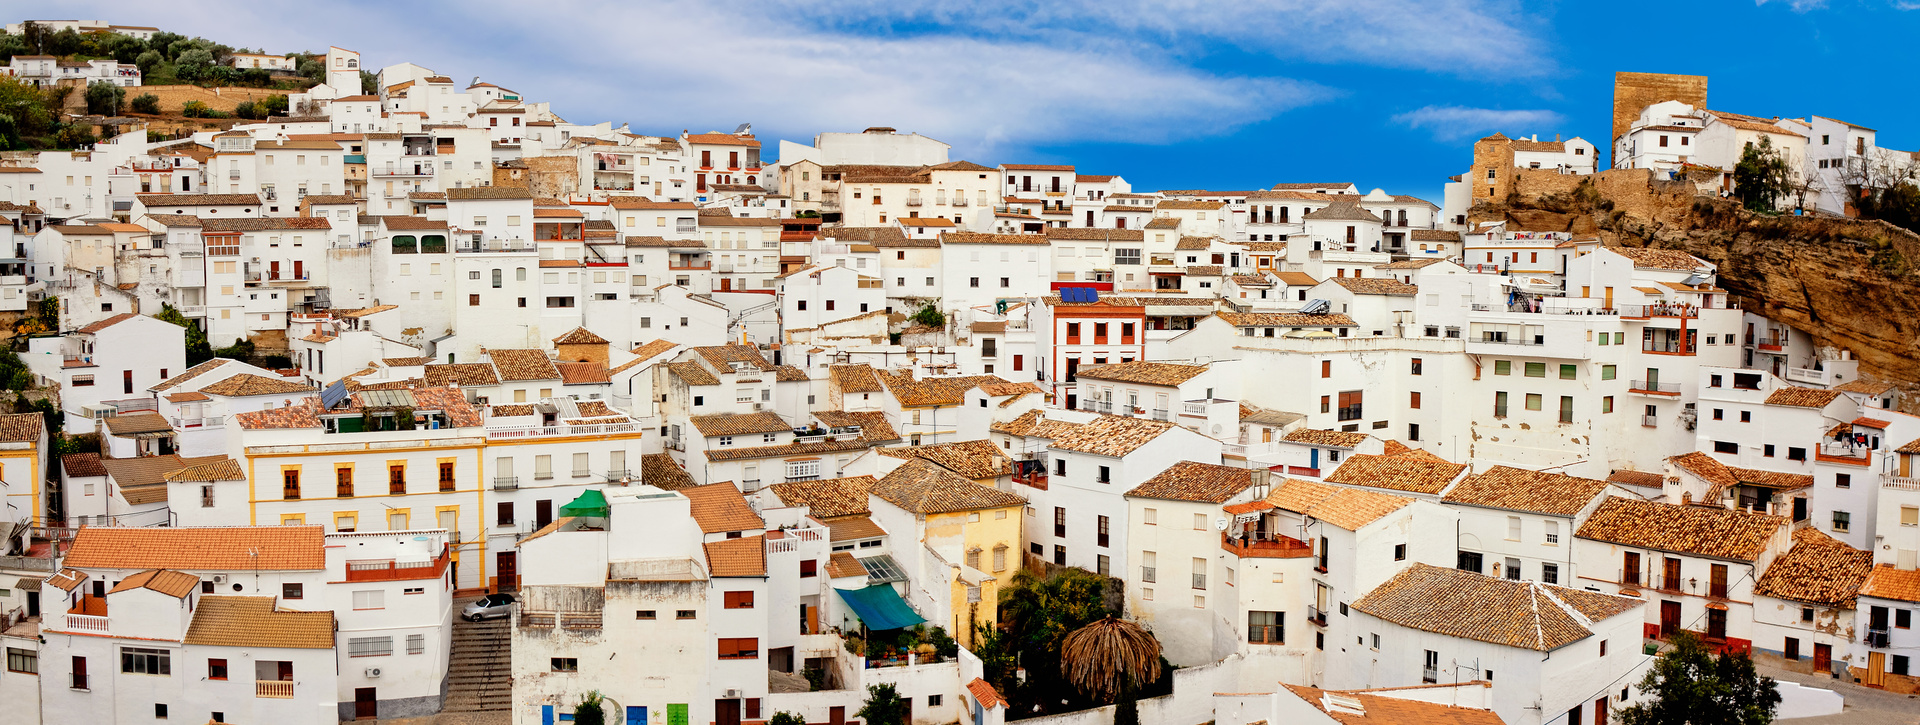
<point x="479" y="677"/>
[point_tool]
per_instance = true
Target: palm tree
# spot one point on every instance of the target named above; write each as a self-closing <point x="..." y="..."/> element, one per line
<point x="1108" y="660"/>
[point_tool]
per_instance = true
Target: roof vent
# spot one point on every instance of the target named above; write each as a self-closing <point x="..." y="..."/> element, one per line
<point x="1343" y="703"/>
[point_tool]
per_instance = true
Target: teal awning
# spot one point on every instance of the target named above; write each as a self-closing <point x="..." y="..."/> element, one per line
<point x="880" y="607"/>
<point x="590" y="503"/>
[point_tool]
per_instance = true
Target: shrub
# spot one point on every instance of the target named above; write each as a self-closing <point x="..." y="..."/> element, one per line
<point x="146" y="103"/>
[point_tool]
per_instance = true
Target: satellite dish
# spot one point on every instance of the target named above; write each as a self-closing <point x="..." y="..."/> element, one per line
<point x="1220" y="524"/>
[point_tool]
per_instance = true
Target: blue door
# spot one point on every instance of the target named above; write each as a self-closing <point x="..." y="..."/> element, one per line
<point x="636" y="715"/>
<point x="1313" y="461"/>
<point x="546" y="715"/>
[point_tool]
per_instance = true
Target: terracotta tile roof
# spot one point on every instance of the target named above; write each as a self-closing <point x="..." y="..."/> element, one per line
<point x="1112" y="435"/>
<point x="1435" y="235"/>
<point x="1864" y="387"/>
<point x="488" y="192"/>
<point x="1802" y="397"/>
<point x="733" y="424"/>
<point x="197" y="199"/>
<point x="405" y="361"/>
<point x="874" y="427"/>
<point x="21" y="427"/>
<point x="137" y="423"/>
<point x="922" y="487"/>
<point x="220" y="468"/>
<point x="176" y="220"/>
<point x="523" y="364"/>
<point x="984" y="693"/>
<point x="692" y="373"/>
<point x="789" y="374"/>
<point x="511" y="410"/>
<point x="917" y="392"/>
<point x="257" y="224"/>
<point x="229" y="621"/>
<point x="582" y="373"/>
<point x="1387" y="710"/>
<point x="1100" y="235"/>
<point x="719" y="507"/>
<point x="1886" y="582"/>
<point x="722" y="139"/>
<point x="1283" y="319"/>
<point x="579" y="336"/>
<point x="1647" y="258"/>
<point x="980" y="238"/>
<point x="463" y="374"/>
<point x="977" y="460"/>
<point x="1193" y="243"/>
<point x="212" y="548"/>
<point x="67" y="579"/>
<point x="1164" y="223"/>
<point x="106" y="323"/>
<point x="1469" y="605"/>
<point x="1148" y="373"/>
<point x="305" y="414"/>
<point x="855" y="378"/>
<point x="661" y="471"/>
<point x="1771" y="479"/>
<point x="829" y="498"/>
<point x="745" y="556"/>
<point x="171" y="583"/>
<point x="1407" y="472"/>
<point x="248" y="384"/>
<point x="1034" y="424"/>
<point x="82" y="464"/>
<point x="1516" y="489"/>
<point x="722" y="357"/>
<point x="1707" y="468"/>
<point x="1912" y="446"/>
<point x="785" y="450"/>
<point x="1316" y="437"/>
<point x="1637" y="478"/>
<point x="1341" y="211"/>
<point x="1817" y="570"/>
<point x="1004" y="389"/>
<point x="191" y="373"/>
<point x="1347" y="508"/>
<point x="1409" y="264"/>
<point x="842" y="564"/>
<point x="1195" y="481"/>
<point x="1700" y="530"/>
<point x="1376" y="286"/>
<point x="852" y="528"/>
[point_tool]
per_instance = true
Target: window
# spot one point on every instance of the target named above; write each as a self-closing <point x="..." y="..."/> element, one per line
<point x="371" y="599"/>
<point x="1796" y="454"/>
<point x="1536" y="370"/>
<point x="739" y="648"/>
<point x="1399" y="552"/>
<point x="643" y="614"/>
<point x="291" y="590"/>
<point x="23" y="660"/>
<point x="1414" y="400"/>
<point x="1553" y="532"/>
<point x="1326" y="368"/>
<point x="1503" y="367"/>
<point x="1842" y="520"/>
<point x="564" y="664"/>
<point x="1903" y="619"/>
<point x="809" y="568"/>
<point x="1533" y="401"/>
<point x="1550" y="574"/>
<point x="1416" y="366"/>
<point x="1513" y="528"/>
<point x="1199" y="573"/>
<point x="1569" y="372"/>
<point x="1767" y="450"/>
<point x="159" y="711"/>
<point x="738" y="600"/>
<point x="1726" y="447"/>
<point x="142" y="661"/>
<point x="684" y="614"/>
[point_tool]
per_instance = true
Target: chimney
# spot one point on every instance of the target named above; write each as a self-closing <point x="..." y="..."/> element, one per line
<point x="1556" y="138"/>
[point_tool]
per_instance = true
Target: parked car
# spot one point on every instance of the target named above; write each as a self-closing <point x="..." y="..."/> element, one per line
<point x="491" y="606"/>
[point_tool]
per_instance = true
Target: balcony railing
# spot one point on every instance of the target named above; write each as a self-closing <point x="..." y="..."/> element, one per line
<point x="1158" y="414"/>
<point x="914" y="201"/>
<point x="959" y="202"/>
<point x="506" y="483"/>
<point x="1348" y="412"/>
<point x="1666" y="583"/>
<point x="1316" y="616"/>
<point x="417" y="171"/>
<point x="1901" y="483"/>
<point x="85" y="623"/>
<point x="1649" y="311"/>
<point x="617" y="475"/>
<point x="1810" y="375"/>
<point x="276" y="689"/>
<point x="1717" y="590"/>
<point x="1266" y="634"/>
<point x="379" y="570"/>
<point x="535" y="431"/>
<point x="1877" y="637"/>
<point x="1653" y="387"/>
<point x="1265" y="545"/>
<point x="77" y="681"/>
<point x="1649" y="421"/>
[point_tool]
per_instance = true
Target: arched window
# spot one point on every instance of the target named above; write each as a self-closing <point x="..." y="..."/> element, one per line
<point x="520" y="274"/>
<point x="433" y="244"/>
<point x="751" y="181"/>
<point x="353" y="63"/>
<point x="405" y="244"/>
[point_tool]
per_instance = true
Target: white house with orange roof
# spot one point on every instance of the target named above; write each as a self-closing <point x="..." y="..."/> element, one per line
<point x="106" y="365"/>
<point x="1081" y="518"/>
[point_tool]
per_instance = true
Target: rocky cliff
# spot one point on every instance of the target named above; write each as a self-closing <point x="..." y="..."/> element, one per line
<point x="1850" y="283"/>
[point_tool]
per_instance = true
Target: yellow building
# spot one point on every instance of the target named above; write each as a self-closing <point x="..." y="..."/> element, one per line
<point x="953" y="537"/>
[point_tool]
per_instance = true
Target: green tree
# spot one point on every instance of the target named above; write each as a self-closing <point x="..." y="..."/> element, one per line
<point x="149" y="61"/>
<point x="196" y="109"/>
<point x="589" y="711"/>
<point x="1898" y="205"/>
<point x="248" y="109"/>
<point x="883" y="706"/>
<point x="193" y="64"/>
<point x="164" y="40"/>
<point x="35" y="36"/>
<point x="1036" y="614"/>
<point x="198" y="351"/>
<point x="1688" y="685"/>
<point x="369" y="83"/>
<point x="786" y="718"/>
<point x="105" y="98"/>
<point x="75" y="136"/>
<point x="1761" y="177"/>
<point x="312" y="68"/>
<point x="274" y="105"/>
<point x="65" y="42"/>
<point x="1108" y="661"/>
<point x="146" y="103"/>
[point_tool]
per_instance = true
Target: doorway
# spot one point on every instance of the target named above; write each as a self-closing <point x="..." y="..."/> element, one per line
<point x="505" y="571"/>
<point x="1822" y="657"/>
<point x="365" y="704"/>
<point x="726" y="712"/>
<point x="1669" y="619"/>
<point x="1876" y="670"/>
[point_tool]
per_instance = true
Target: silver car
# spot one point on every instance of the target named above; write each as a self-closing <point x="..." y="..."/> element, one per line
<point x="491" y="606"/>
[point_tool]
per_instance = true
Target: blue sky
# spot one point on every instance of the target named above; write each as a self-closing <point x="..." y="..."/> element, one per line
<point x="1170" y="93"/>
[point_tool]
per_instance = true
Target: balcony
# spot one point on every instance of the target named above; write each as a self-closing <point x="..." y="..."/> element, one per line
<point x="85" y="623"/>
<point x="1877" y="637"/>
<point x="1265" y="545"/>
<point x="617" y="475"/>
<point x="275" y="689"/>
<point x="1629" y="578"/>
<point x="1670" y="584"/>
<point x="1810" y="376"/>
<point x="493" y="245"/>
<point x="959" y="202"/>
<point x="1649" y="421"/>
<point x="1900" y="483"/>
<point x="1770" y="344"/>
<point x="1652" y="387"/>
<point x="1348" y="412"/>
<point x="1429" y="674"/>
<point x="1317" y="615"/>
<point x="1199" y="409"/>
<point x="1158" y="414"/>
<point x="506" y="483"/>
<point x="1643" y="312"/>
<point x="383" y="570"/>
<point x="541" y="431"/>
<point x="686" y="266"/>
<point x="1846" y="453"/>
<point x="914" y="201"/>
<point x="415" y="171"/>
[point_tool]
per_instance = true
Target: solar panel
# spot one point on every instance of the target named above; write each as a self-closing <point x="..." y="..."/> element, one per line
<point x="333" y="394"/>
<point x="1093" y="294"/>
<point x="1316" y="307"/>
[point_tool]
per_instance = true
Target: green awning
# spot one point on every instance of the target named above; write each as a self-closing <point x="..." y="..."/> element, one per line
<point x="590" y="503"/>
<point x="880" y="607"/>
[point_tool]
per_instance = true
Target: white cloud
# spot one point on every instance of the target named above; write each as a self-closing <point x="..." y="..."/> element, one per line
<point x="1801" y="6"/>
<point x="1450" y="123"/>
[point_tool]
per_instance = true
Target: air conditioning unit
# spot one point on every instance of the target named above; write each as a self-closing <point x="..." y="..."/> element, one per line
<point x="219" y="578"/>
<point x="734" y="694"/>
<point x="373" y="672"/>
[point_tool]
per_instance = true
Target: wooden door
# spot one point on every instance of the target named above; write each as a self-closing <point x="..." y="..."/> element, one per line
<point x="1906" y="465"/>
<point x="1670" y="580"/>
<point x="1609" y="299"/>
<point x="299" y="269"/>
<point x="1876" y="670"/>
<point x="726" y="284"/>
<point x="837" y="715"/>
<point x="542" y="513"/>
<point x="505" y="570"/>
<point x="1669" y="619"/>
<point x="726" y="712"/>
<point x="1822" y="657"/>
<point x="365" y="706"/>
<point x="1600" y="711"/>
